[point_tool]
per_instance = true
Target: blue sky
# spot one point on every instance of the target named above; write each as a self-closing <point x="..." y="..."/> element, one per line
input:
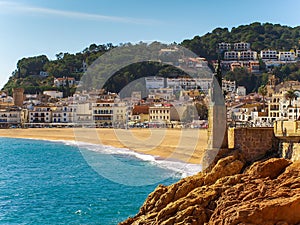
<point x="32" y="27"/>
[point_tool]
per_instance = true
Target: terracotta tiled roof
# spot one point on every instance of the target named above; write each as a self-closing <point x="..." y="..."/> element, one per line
<point x="140" y="109"/>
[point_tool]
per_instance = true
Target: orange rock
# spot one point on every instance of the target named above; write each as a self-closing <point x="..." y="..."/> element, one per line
<point x="268" y="192"/>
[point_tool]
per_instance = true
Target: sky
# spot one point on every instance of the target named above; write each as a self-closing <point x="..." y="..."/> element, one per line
<point x="36" y="27"/>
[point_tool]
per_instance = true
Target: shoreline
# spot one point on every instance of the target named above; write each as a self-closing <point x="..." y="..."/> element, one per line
<point x="170" y="144"/>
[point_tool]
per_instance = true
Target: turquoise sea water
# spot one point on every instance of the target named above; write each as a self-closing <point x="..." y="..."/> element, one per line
<point x="53" y="183"/>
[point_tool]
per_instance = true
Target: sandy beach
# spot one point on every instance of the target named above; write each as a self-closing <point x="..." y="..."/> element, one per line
<point x="184" y="145"/>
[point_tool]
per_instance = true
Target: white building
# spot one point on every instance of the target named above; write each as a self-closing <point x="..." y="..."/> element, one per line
<point x="182" y="83"/>
<point x="102" y="113"/>
<point x="119" y="114"/>
<point x="204" y="84"/>
<point x="241" y="46"/>
<point x="84" y="113"/>
<point x="54" y="94"/>
<point x="63" y="114"/>
<point x="224" y="46"/>
<point x="286" y="56"/>
<point x="136" y="96"/>
<point x="159" y="115"/>
<point x="62" y="81"/>
<point x="248" y="55"/>
<point x="241" y="91"/>
<point x="10" y="116"/>
<point x="40" y="114"/>
<point x="161" y="93"/>
<point x="269" y="55"/>
<point x="44" y="74"/>
<point x="228" y="86"/>
<point x="154" y="82"/>
<point x="231" y="55"/>
<point x="298" y="53"/>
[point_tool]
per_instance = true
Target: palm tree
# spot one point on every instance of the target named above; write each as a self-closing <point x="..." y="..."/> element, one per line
<point x="290" y="95"/>
<point x="262" y="90"/>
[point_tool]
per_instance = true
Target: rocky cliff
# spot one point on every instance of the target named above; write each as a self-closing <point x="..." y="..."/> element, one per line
<point x="230" y="192"/>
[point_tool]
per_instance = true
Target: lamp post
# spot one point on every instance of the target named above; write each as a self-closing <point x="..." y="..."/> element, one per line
<point x="296" y="112"/>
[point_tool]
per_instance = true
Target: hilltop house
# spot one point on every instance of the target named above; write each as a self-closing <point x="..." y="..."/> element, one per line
<point x="62" y="81"/>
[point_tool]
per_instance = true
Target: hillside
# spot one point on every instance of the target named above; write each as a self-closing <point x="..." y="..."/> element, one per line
<point x="261" y="36"/>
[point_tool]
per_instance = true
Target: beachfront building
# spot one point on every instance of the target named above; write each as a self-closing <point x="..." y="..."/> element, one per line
<point x="10" y="116"/>
<point x="140" y="114"/>
<point x="40" y="115"/>
<point x="160" y="115"/>
<point x="102" y="113"/>
<point x="83" y="114"/>
<point x="63" y="114"/>
<point x="119" y="114"/>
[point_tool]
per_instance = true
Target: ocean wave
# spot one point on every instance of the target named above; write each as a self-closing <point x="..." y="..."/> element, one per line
<point x="181" y="169"/>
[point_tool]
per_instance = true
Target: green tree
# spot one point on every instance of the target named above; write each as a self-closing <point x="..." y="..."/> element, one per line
<point x="290" y="95"/>
<point x="262" y="90"/>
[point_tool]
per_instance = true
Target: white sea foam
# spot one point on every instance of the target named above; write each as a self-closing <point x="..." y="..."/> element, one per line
<point x="181" y="169"/>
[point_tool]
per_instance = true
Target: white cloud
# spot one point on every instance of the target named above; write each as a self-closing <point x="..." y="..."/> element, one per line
<point x="71" y="14"/>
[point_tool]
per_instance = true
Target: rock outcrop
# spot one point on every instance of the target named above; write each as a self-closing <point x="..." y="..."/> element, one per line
<point x="267" y="192"/>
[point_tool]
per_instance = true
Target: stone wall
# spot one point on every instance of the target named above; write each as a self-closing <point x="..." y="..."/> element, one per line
<point x="289" y="148"/>
<point x="254" y="143"/>
<point x="288" y="133"/>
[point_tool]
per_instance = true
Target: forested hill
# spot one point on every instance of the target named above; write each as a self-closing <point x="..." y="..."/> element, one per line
<point x="260" y="36"/>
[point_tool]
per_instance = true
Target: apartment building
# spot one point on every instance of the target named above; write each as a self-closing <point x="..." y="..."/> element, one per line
<point x="269" y="55"/>
<point x="102" y="113"/>
<point x="228" y="86"/>
<point x="298" y="53"/>
<point x="120" y="114"/>
<point x="241" y="46"/>
<point x="62" y="81"/>
<point x="254" y="67"/>
<point x="159" y="115"/>
<point x="161" y="93"/>
<point x="287" y="56"/>
<point x="140" y="114"/>
<point x="84" y="113"/>
<point x="10" y="116"/>
<point x="40" y="114"/>
<point x="154" y="82"/>
<point x="224" y="46"/>
<point x="64" y="114"/>
<point x="231" y="56"/>
<point x="248" y="55"/>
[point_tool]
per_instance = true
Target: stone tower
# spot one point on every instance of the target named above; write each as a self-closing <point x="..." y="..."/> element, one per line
<point x="18" y="96"/>
<point x="217" y="120"/>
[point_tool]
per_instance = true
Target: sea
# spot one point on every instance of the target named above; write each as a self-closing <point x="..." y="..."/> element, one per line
<point x="65" y="182"/>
